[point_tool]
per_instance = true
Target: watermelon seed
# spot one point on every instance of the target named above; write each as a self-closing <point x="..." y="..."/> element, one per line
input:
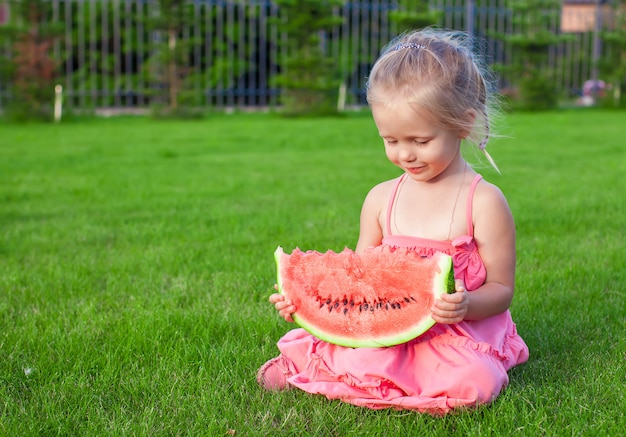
<point x="406" y="299"/>
<point x="345" y="301"/>
<point x="351" y="303"/>
<point x="345" y="311"/>
<point x="365" y="306"/>
<point x="412" y="298"/>
<point x="328" y="301"/>
<point x="336" y="305"/>
<point x="372" y="308"/>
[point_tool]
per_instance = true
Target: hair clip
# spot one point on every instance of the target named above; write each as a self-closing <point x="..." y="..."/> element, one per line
<point x="409" y="45"/>
<point x="483" y="147"/>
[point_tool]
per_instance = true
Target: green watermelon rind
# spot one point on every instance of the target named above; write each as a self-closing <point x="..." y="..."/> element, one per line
<point x="442" y="286"/>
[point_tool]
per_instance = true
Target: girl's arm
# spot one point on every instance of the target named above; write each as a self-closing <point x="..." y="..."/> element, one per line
<point x="370" y="229"/>
<point x="494" y="232"/>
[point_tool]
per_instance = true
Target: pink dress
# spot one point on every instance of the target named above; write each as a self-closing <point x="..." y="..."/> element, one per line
<point x="450" y="366"/>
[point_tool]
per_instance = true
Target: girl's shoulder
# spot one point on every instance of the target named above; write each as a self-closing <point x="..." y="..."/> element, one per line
<point x="489" y="202"/>
<point x="486" y="192"/>
<point x="386" y="185"/>
<point x="382" y="190"/>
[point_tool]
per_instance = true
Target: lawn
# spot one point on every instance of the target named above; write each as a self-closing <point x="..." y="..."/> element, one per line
<point x="136" y="258"/>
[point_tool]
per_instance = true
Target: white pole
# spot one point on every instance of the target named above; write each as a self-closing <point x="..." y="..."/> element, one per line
<point x="58" y="103"/>
<point x="341" y="98"/>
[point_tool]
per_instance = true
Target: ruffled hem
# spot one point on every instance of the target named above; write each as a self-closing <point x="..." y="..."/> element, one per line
<point x="434" y="373"/>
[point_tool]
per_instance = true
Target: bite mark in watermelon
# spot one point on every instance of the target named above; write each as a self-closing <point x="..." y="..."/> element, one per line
<point x="382" y="297"/>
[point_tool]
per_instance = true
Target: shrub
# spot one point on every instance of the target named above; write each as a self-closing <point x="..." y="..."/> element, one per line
<point x="31" y="71"/>
<point x="309" y="75"/>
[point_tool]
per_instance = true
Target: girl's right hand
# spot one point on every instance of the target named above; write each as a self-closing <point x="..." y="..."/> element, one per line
<point x="284" y="307"/>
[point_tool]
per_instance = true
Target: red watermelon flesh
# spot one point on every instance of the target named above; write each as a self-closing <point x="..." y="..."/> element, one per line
<point x="382" y="297"/>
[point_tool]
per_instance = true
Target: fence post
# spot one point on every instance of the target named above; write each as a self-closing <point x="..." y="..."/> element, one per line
<point x="469" y="17"/>
<point x="597" y="44"/>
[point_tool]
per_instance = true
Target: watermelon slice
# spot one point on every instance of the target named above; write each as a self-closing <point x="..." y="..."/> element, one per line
<point x="380" y="298"/>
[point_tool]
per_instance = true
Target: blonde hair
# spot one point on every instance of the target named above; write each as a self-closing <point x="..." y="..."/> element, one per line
<point x="437" y="70"/>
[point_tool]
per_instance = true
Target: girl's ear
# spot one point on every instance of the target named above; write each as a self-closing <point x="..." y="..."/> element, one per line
<point x="467" y="123"/>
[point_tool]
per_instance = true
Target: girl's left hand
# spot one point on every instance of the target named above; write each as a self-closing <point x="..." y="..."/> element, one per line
<point x="452" y="308"/>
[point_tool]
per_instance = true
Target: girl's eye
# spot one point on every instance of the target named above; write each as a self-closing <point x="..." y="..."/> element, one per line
<point x="391" y="141"/>
<point x="422" y="142"/>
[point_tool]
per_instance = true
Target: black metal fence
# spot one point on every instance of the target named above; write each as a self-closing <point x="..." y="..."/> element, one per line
<point x="106" y="55"/>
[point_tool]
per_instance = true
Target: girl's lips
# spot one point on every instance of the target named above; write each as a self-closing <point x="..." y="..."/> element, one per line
<point x="414" y="170"/>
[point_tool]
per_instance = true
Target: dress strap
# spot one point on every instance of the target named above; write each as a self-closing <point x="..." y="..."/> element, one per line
<point x="392" y="199"/>
<point x="470" y="199"/>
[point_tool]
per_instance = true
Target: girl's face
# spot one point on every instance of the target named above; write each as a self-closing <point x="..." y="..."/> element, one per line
<point x="415" y="142"/>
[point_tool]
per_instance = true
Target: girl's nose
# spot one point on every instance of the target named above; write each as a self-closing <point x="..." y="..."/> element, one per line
<point x="406" y="152"/>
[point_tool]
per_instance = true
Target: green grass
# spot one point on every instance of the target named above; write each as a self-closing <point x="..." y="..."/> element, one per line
<point x="136" y="261"/>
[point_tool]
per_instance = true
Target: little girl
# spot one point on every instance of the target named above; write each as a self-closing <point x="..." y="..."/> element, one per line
<point x="427" y="93"/>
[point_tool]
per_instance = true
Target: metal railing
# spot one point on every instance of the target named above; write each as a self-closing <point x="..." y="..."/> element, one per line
<point x="107" y="55"/>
